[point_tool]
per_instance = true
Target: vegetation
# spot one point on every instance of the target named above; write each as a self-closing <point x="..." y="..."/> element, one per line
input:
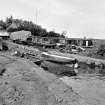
<point x="12" y="25"/>
<point x="101" y="50"/>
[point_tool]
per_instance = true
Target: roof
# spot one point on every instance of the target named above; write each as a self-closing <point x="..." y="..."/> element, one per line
<point x="2" y="33"/>
<point x="21" y="32"/>
<point x="79" y="39"/>
<point x="22" y="35"/>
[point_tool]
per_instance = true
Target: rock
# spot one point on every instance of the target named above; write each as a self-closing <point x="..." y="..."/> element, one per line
<point x="2" y="70"/>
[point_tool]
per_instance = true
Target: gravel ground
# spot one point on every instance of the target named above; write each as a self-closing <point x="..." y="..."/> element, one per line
<point x="91" y="87"/>
<point x="24" y="83"/>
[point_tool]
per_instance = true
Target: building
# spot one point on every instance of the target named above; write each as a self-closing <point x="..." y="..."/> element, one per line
<point x="62" y="41"/>
<point x="45" y="41"/>
<point x="20" y="35"/>
<point x="87" y="43"/>
<point x="49" y="41"/>
<point x="4" y="35"/>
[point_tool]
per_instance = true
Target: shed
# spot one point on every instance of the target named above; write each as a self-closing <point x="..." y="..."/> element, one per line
<point x="80" y="42"/>
<point x="20" y="35"/>
<point x="4" y="35"/>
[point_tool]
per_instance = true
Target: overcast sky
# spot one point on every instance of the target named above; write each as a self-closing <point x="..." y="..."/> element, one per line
<point x="78" y="17"/>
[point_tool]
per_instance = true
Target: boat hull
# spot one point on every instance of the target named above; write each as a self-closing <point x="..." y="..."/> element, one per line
<point x="57" y="59"/>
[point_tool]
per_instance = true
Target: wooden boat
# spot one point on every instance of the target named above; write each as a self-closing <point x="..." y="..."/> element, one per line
<point x="58" y="59"/>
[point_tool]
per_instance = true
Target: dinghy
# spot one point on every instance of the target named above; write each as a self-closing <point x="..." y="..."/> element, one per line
<point x="59" y="65"/>
<point x="57" y="58"/>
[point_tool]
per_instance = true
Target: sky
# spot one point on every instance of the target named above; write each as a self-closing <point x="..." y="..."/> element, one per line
<point x="78" y="18"/>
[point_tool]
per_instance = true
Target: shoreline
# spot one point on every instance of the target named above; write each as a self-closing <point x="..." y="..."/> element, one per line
<point x="80" y="58"/>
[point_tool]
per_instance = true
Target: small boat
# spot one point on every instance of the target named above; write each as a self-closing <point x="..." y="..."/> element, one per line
<point x="59" y="65"/>
<point x="58" y="59"/>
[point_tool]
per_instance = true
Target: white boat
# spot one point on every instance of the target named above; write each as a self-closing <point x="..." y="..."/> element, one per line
<point x="57" y="58"/>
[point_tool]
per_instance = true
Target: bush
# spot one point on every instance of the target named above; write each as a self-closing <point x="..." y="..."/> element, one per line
<point x="101" y="50"/>
<point x="12" y="25"/>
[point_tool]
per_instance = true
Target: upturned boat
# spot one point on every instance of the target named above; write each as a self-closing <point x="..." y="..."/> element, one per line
<point x="58" y="59"/>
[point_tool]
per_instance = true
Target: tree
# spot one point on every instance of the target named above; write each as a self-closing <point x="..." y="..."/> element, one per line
<point x="9" y="21"/>
<point x="101" y="50"/>
<point x="63" y="34"/>
<point x="11" y="25"/>
<point x="2" y="25"/>
<point x="53" y="34"/>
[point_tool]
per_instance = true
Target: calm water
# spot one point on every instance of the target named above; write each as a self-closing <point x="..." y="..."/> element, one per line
<point x="89" y="86"/>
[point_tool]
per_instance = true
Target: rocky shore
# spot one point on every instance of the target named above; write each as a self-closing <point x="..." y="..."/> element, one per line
<point x="80" y="58"/>
<point x="87" y="64"/>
